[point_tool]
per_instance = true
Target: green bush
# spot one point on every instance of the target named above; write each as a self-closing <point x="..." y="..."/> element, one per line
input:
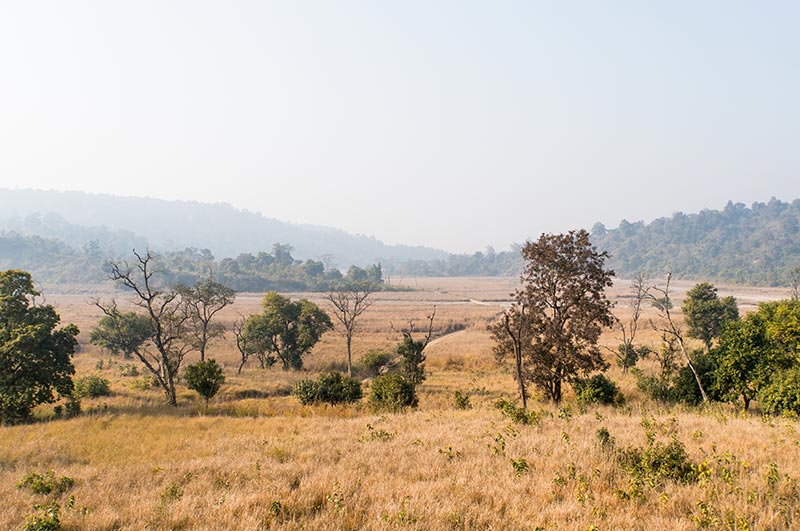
<point x="598" y="389"/>
<point x="516" y="414"/>
<point x="305" y="391"/>
<point x="330" y="388"/>
<point x="373" y="361"/>
<point x="782" y="396"/>
<point x="47" y="519"/>
<point x="205" y="377"/>
<point x="460" y="400"/>
<point x="392" y="392"/>
<point x="92" y="387"/>
<point x="46" y="483"/>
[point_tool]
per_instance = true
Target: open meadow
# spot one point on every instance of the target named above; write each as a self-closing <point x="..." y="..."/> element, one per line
<point x="256" y="458"/>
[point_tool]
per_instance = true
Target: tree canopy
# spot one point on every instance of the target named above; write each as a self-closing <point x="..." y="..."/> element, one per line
<point x="706" y="314"/>
<point x="35" y="356"/>
<point x="563" y="293"/>
<point x="286" y="329"/>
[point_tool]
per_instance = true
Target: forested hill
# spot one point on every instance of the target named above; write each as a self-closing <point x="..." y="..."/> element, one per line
<point x="118" y="224"/>
<point x="759" y="245"/>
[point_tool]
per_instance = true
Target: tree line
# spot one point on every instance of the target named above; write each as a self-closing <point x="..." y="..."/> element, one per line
<point x="56" y="262"/>
<point x="172" y="320"/>
<point x="550" y="333"/>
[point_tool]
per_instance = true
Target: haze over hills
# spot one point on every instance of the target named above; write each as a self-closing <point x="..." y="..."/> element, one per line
<point x="119" y="224"/>
<point x="67" y="236"/>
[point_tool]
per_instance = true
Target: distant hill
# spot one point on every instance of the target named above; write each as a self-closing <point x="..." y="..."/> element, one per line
<point x="118" y="224"/>
<point x="759" y="245"/>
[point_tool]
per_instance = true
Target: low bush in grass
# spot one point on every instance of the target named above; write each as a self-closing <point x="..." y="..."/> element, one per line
<point x="328" y="388"/>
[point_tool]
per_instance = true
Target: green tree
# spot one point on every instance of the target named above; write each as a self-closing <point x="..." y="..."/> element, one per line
<point x="563" y="289"/>
<point x="205" y="377"/>
<point x="122" y="332"/>
<point x="288" y="329"/>
<point x="745" y="359"/>
<point x="706" y="314"/>
<point x="412" y="352"/>
<point x="203" y="301"/>
<point x="35" y="357"/>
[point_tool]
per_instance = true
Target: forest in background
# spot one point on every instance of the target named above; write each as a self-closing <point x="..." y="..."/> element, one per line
<point x="756" y="245"/>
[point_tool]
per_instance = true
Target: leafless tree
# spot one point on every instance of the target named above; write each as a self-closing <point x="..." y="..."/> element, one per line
<point x="512" y="335"/>
<point x="168" y="316"/>
<point x="795" y="284"/>
<point x="626" y="351"/>
<point x="349" y="301"/>
<point x="669" y="329"/>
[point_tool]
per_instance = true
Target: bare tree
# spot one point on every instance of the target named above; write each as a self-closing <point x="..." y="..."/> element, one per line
<point x="669" y="329"/>
<point x="794" y="294"/>
<point x="512" y="335"/>
<point x="241" y="342"/>
<point x="349" y="301"/>
<point x="626" y="352"/>
<point x="203" y="301"/>
<point x="168" y="317"/>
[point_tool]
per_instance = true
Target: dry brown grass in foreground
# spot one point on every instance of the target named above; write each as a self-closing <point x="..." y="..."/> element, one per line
<point x="258" y="460"/>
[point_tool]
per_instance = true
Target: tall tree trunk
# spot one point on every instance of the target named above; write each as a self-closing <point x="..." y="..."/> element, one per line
<point x="349" y="358"/>
<point x="518" y="358"/>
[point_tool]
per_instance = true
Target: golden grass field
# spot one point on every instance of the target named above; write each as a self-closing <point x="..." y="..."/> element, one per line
<point x="257" y="459"/>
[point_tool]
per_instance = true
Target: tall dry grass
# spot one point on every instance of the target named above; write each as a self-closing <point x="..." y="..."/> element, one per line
<point x="257" y="459"/>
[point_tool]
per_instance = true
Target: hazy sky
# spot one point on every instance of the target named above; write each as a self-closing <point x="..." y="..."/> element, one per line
<point x="454" y="124"/>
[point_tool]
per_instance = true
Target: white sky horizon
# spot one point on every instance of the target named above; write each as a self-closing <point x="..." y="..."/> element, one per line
<point x="450" y="124"/>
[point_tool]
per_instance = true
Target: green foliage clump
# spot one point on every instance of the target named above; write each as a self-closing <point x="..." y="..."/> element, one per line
<point x="392" y="392"/>
<point x="782" y="396"/>
<point x="35" y="357"/>
<point x="48" y="518"/>
<point x="656" y="463"/>
<point x="46" y="483"/>
<point x="707" y="314"/>
<point x="205" y="377"/>
<point x="412" y="359"/>
<point x="516" y="414"/>
<point x="286" y="329"/>
<point x="92" y="387"/>
<point x="461" y="400"/>
<point x="330" y="388"/>
<point x="598" y="389"/>
<point x="373" y="361"/>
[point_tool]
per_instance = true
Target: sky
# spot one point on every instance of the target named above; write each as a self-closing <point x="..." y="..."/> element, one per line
<point x="452" y="124"/>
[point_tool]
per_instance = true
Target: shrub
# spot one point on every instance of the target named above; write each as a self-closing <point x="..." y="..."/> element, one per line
<point x="46" y="483"/>
<point x="205" y="377"/>
<point x="657" y="462"/>
<point x="330" y="388"/>
<point x="392" y="392"/>
<point x="684" y="384"/>
<point x="517" y="415"/>
<point x="460" y="400"/>
<point x="305" y="391"/>
<point x="47" y="519"/>
<point x="92" y="387"/>
<point x="598" y="389"/>
<point x="782" y="396"/>
<point x="373" y="361"/>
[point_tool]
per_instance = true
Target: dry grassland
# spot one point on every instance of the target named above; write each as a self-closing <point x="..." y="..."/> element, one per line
<point x="259" y="460"/>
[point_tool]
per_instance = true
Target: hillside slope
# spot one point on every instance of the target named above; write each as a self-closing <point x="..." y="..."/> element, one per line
<point x="120" y="223"/>
<point x="758" y="245"/>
